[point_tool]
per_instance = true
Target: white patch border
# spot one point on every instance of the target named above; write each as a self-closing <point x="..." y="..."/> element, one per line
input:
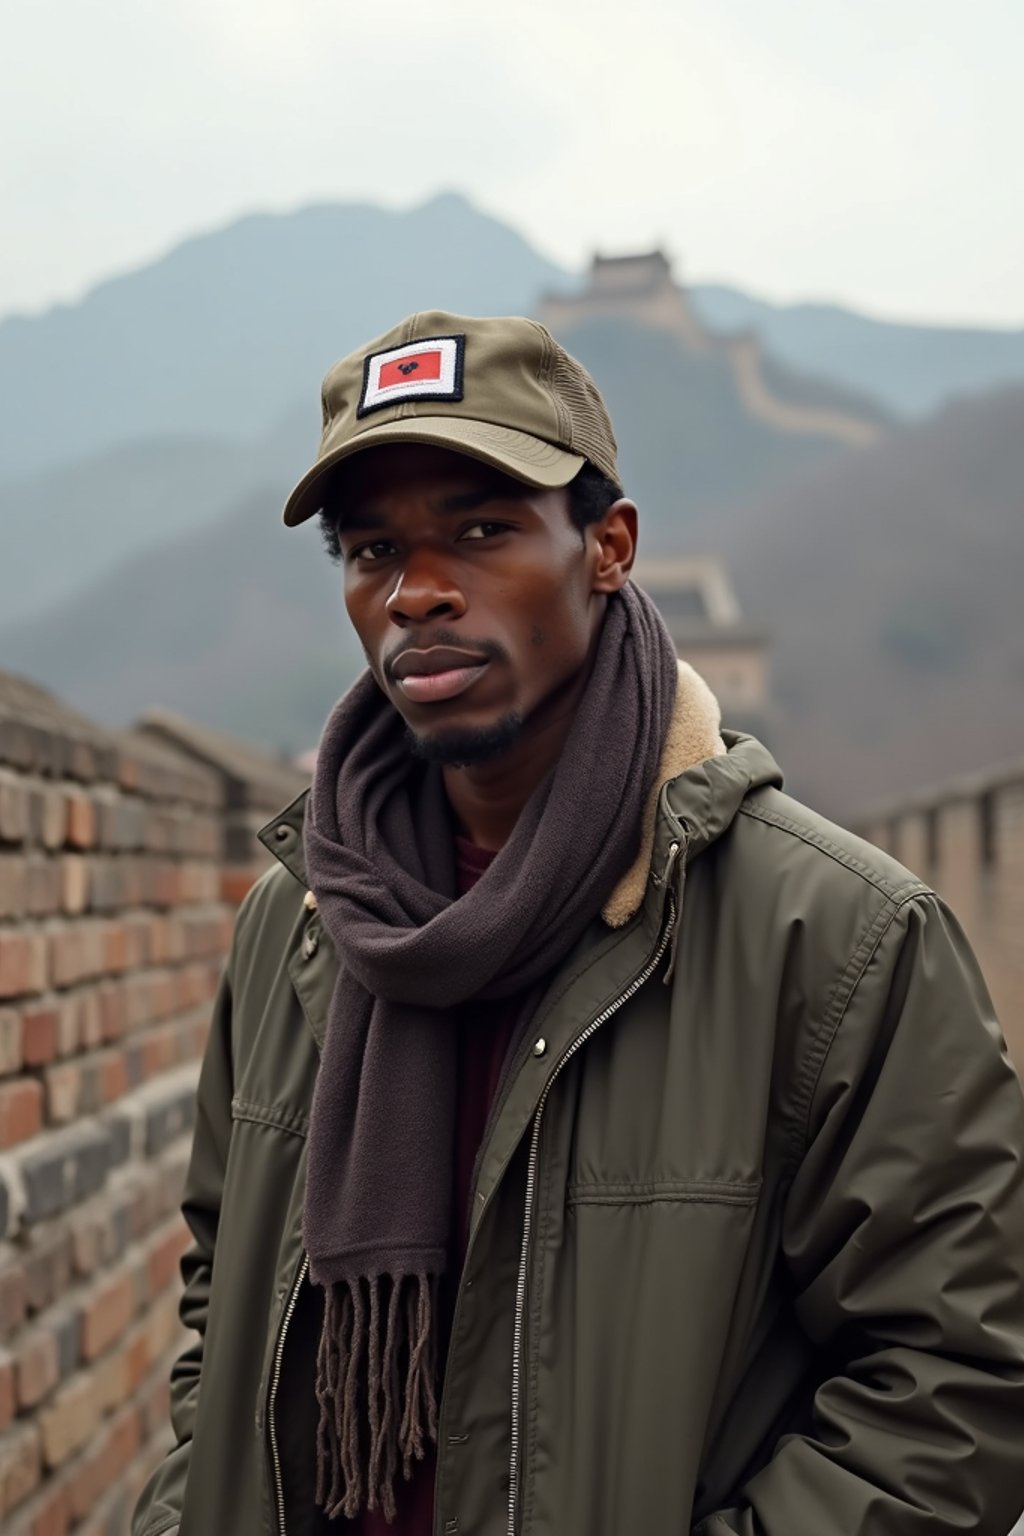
<point x="447" y="387"/>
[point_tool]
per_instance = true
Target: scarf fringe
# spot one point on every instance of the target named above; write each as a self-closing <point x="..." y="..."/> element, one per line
<point x="376" y="1371"/>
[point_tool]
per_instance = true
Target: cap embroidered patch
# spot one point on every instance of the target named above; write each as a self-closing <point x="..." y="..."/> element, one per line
<point x="430" y="369"/>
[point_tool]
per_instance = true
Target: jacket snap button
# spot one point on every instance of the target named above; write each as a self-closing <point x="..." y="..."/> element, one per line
<point x="540" y="1046"/>
<point x="309" y="944"/>
<point x="282" y="832"/>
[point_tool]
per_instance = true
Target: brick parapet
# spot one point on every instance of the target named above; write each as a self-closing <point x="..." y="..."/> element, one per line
<point x="113" y="930"/>
<point x="966" y="839"/>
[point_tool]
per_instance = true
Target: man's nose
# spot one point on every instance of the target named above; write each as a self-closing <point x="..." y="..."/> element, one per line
<point x="425" y="591"/>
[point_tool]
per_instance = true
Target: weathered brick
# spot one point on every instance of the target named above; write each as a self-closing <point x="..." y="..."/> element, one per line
<point x="69" y="1029"/>
<point x="49" y="1514"/>
<point x="103" y="885"/>
<point x="90" y="1018"/>
<point x="120" y="1130"/>
<point x="100" y="1231"/>
<point x="21" y="1111"/>
<point x="76" y="952"/>
<point x="74" y="884"/>
<point x="80" y="829"/>
<point x="107" y="1312"/>
<point x="71" y="1165"/>
<point x="43" y="894"/>
<point x="39" y="1035"/>
<point x="13" y="1297"/>
<point x="165" y="1122"/>
<point x="15" y="964"/>
<point x="104" y="1078"/>
<point x="121" y="1444"/>
<point x="7" y="1397"/>
<point x="113" y="1076"/>
<point x="20" y="1467"/>
<point x="14" y="809"/>
<point x="67" y="1420"/>
<point x="66" y="1324"/>
<point x="52" y="818"/>
<point x="11" y="1059"/>
<point x="163" y="1256"/>
<point x="13" y="886"/>
<point x="137" y="1359"/>
<point x="47" y="1260"/>
<point x="116" y="948"/>
<point x="156" y="1402"/>
<point x="62" y="1084"/>
<point x="38" y="961"/>
<point x="162" y="1326"/>
<point x="37" y="1367"/>
<point x="22" y="963"/>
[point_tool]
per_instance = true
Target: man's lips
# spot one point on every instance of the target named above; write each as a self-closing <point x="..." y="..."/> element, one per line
<point x="441" y="672"/>
<point x="427" y="687"/>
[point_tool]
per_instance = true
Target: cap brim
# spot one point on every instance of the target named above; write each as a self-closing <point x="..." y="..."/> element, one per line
<point x="526" y="458"/>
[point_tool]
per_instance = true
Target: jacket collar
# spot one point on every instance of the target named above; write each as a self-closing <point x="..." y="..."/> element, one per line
<point x="693" y="737"/>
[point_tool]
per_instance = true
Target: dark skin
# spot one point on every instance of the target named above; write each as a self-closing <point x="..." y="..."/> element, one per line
<point x="441" y="551"/>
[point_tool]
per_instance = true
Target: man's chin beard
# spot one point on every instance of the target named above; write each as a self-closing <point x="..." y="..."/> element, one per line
<point x="466" y="748"/>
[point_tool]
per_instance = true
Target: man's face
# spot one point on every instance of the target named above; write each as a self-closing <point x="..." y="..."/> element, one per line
<point x="471" y="593"/>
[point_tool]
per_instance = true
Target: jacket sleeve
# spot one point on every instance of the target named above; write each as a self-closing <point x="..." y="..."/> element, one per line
<point x="159" y="1507"/>
<point x="904" y="1241"/>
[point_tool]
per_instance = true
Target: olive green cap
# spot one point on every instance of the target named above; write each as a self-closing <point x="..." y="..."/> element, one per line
<point x="499" y="389"/>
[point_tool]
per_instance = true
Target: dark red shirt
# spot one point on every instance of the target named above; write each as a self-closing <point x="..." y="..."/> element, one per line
<point x="484" y="1035"/>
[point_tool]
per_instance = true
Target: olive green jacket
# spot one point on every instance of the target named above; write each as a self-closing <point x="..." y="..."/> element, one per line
<point x="747" y="1236"/>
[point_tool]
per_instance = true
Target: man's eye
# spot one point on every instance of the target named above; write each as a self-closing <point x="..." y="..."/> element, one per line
<point x="483" y="530"/>
<point x="379" y="549"/>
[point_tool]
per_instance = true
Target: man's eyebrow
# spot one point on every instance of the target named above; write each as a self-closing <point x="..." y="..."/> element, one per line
<point x="349" y="517"/>
<point x="366" y="517"/>
<point x="468" y="501"/>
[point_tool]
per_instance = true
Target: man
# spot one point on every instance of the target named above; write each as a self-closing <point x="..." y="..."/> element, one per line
<point x="591" y="1140"/>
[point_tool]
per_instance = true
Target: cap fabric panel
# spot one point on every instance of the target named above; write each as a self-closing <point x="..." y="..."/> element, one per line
<point x="525" y="405"/>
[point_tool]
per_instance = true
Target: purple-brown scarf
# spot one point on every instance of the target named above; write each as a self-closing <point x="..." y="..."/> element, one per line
<point x="380" y="860"/>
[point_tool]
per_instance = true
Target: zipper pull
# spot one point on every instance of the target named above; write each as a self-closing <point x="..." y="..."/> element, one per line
<point x="675" y="911"/>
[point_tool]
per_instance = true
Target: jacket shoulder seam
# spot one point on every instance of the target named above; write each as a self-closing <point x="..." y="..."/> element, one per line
<point x="911" y="886"/>
<point x="840" y="996"/>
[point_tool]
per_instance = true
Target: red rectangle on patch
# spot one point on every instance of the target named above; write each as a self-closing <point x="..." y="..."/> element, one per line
<point x="410" y="369"/>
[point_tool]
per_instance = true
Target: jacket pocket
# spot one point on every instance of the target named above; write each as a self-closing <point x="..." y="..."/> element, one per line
<point x="689" y="1191"/>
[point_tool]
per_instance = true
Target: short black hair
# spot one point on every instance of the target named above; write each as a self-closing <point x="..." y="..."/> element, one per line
<point x="590" y="495"/>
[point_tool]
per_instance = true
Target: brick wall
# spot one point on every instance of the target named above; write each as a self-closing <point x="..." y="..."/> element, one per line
<point x="967" y="840"/>
<point x="112" y="934"/>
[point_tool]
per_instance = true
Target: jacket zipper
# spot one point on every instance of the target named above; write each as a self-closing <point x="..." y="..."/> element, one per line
<point x="275" y="1381"/>
<point x="531" y="1184"/>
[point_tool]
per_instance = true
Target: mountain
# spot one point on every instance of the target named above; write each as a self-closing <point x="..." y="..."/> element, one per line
<point x="890" y="585"/>
<point x="228" y="332"/>
<point x="223" y="335"/>
<point x="887" y="580"/>
<point x="227" y="616"/>
<point x="911" y="369"/>
<point x="64" y="527"/>
<point x="688" y="444"/>
<point x="239" y="625"/>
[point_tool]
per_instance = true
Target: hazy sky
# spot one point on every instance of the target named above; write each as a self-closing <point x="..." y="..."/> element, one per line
<point x="865" y="150"/>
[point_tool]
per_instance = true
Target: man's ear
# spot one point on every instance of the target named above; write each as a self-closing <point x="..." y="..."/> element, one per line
<point x="613" y="545"/>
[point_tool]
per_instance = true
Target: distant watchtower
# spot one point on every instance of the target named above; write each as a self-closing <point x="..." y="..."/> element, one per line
<point x="639" y="288"/>
<point x="696" y="599"/>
